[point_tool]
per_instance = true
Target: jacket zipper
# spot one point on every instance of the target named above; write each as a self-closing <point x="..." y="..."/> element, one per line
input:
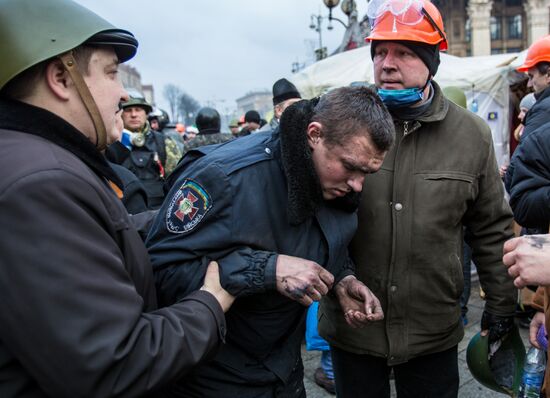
<point x="405" y="128"/>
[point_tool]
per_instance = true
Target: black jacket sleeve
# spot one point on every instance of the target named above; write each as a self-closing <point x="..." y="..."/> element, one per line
<point x="71" y="315"/>
<point x="180" y="258"/>
<point x="530" y="183"/>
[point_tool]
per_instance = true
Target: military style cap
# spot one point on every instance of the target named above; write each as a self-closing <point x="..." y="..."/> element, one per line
<point x="137" y="101"/>
<point x="34" y="31"/>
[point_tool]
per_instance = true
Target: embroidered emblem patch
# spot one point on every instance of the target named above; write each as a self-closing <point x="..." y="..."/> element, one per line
<point x="187" y="208"/>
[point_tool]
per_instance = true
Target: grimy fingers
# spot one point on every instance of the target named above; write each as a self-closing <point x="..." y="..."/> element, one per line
<point x="326" y="277"/>
<point x="314" y="293"/>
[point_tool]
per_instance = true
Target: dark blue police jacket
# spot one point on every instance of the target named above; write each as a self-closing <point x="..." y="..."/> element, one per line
<point x="230" y="203"/>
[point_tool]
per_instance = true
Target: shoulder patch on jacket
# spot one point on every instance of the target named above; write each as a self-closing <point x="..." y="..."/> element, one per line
<point x="187" y="207"/>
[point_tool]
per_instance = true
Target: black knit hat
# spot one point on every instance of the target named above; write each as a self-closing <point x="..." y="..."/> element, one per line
<point x="428" y="53"/>
<point x="252" y="116"/>
<point x="283" y="90"/>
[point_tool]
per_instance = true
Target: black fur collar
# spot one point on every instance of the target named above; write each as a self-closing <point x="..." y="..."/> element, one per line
<point x="19" y="116"/>
<point x="304" y="189"/>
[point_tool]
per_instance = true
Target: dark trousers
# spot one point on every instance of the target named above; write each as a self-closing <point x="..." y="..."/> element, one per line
<point x="427" y="376"/>
<point x="216" y="382"/>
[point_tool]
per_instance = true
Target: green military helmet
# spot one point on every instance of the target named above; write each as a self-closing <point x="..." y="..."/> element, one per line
<point x="456" y="95"/>
<point x="33" y="31"/>
<point x="135" y="98"/>
<point x="503" y="372"/>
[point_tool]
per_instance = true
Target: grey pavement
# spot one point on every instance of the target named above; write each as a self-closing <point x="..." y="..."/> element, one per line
<point x="469" y="387"/>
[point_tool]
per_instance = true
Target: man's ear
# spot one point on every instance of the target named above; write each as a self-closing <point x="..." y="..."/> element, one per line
<point x="58" y="80"/>
<point x="314" y="133"/>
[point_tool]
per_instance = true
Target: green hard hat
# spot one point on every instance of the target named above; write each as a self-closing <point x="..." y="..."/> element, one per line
<point x="33" y="31"/>
<point x="456" y="95"/>
<point x="135" y="98"/>
<point x="501" y="373"/>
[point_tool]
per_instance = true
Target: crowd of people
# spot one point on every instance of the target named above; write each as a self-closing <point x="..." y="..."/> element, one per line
<point x="139" y="263"/>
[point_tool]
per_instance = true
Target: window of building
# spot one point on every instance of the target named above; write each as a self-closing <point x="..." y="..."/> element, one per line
<point x="496" y="28"/>
<point x="514" y="27"/>
<point x="456" y="29"/>
<point x="468" y="30"/>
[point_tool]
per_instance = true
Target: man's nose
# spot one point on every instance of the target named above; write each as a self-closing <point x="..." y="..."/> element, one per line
<point x="356" y="183"/>
<point x="389" y="61"/>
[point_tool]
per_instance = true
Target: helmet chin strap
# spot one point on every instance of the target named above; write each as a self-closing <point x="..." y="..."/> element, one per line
<point x="70" y="65"/>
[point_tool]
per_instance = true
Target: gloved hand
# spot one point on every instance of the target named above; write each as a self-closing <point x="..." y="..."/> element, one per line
<point x="498" y="326"/>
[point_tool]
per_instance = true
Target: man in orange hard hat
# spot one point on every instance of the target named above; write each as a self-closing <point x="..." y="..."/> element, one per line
<point x="537" y="68"/>
<point x="440" y="176"/>
<point x="527" y="178"/>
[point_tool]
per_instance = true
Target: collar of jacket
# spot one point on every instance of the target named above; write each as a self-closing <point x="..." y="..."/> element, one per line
<point x="436" y="112"/>
<point x="209" y="131"/>
<point x="543" y="94"/>
<point x="304" y="189"/>
<point x="19" y="116"/>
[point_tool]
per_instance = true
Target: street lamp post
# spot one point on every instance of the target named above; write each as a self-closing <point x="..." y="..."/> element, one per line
<point x="317" y="25"/>
<point x="348" y="6"/>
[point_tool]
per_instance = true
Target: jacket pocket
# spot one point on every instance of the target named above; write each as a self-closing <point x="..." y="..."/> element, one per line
<point x="450" y="175"/>
<point x="442" y="198"/>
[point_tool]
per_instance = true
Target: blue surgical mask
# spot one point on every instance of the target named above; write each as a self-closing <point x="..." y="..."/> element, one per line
<point x="399" y="98"/>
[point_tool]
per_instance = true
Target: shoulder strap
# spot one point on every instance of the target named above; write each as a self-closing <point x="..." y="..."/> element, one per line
<point x="160" y="140"/>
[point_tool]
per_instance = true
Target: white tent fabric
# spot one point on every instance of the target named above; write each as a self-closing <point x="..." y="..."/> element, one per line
<point x="485" y="81"/>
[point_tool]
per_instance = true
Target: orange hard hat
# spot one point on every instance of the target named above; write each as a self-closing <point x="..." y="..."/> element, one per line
<point x="180" y="128"/>
<point x="539" y="51"/>
<point x="410" y="20"/>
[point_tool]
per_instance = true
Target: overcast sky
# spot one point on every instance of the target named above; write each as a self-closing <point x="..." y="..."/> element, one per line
<point x="218" y="50"/>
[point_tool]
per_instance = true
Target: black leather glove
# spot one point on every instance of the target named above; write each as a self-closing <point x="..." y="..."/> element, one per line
<point x="498" y="326"/>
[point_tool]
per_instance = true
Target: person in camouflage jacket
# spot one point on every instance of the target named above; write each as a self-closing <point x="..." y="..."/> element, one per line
<point x="208" y="122"/>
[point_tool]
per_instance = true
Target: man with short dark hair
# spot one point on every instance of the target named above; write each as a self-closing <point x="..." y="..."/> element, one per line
<point x="79" y="311"/>
<point x="440" y="177"/>
<point x="276" y="210"/>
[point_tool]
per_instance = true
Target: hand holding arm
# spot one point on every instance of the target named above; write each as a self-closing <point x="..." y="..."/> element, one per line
<point x="212" y="285"/>
<point x="359" y="304"/>
<point x="302" y="280"/>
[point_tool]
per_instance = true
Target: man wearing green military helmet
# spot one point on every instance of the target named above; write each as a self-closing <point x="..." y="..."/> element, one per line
<point x="150" y="155"/>
<point x="79" y="314"/>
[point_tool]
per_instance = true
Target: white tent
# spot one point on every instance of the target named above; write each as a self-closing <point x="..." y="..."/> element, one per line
<point x="485" y="81"/>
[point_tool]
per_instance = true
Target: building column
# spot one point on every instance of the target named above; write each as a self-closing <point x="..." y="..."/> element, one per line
<point x="479" y="12"/>
<point x="537" y="14"/>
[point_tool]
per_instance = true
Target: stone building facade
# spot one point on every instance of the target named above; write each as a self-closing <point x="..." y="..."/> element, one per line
<point x="485" y="27"/>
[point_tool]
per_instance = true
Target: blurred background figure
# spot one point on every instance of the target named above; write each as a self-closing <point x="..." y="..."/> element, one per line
<point x="284" y="94"/>
<point x="252" y="121"/>
<point x="208" y="123"/>
<point x="150" y="155"/>
<point x="525" y="105"/>
<point x="234" y="127"/>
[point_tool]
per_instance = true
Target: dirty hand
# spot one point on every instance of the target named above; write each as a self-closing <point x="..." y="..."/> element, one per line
<point x="302" y="280"/>
<point x="495" y="326"/>
<point x="359" y="304"/>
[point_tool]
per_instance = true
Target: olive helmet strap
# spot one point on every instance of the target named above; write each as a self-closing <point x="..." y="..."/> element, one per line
<point x="71" y="67"/>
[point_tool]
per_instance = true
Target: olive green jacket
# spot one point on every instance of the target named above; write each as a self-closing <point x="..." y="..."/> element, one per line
<point x="440" y="175"/>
